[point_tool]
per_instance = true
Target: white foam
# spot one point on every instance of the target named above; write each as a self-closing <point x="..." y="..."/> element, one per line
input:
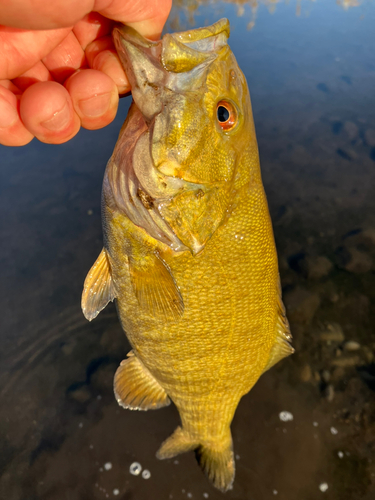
<point x="286" y="416"/>
<point x="135" y="469"/>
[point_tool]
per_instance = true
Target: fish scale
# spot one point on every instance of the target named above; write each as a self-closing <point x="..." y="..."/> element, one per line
<point x="201" y="304"/>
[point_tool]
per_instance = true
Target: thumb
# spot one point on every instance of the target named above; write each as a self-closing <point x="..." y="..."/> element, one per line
<point x="146" y="16"/>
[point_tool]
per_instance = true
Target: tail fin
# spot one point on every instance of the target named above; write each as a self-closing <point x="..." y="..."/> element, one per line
<point x="218" y="464"/>
<point x="215" y="459"/>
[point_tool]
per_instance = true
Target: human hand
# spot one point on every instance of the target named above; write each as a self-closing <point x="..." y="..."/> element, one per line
<point x="58" y="66"/>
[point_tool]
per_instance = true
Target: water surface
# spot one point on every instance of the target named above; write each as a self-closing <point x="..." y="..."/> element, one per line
<point x="311" y="72"/>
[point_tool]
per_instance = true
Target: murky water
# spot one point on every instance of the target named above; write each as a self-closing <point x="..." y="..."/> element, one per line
<point x="311" y="72"/>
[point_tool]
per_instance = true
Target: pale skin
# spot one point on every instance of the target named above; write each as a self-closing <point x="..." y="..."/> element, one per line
<point x="58" y="66"/>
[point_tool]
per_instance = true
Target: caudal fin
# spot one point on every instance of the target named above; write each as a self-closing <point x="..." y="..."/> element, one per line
<point x="218" y="465"/>
<point x="215" y="459"/>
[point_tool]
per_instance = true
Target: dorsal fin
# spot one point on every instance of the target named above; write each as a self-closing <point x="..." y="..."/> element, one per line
<point x="98" y="288"/>
<point x="282" y="347"/>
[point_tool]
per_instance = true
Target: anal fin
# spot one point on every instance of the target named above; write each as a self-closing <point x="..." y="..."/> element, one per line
<point x="135" y="388"/>
<point x="155" y="288"/>
<point x="98" y="288"/>
<point x="178" y="442"/>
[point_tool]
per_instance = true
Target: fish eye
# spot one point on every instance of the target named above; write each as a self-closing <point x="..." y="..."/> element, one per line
<point x="226" y="115"/>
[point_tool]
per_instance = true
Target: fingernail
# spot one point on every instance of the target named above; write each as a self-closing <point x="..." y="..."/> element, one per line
<point x="8" y="114"/>
<point x="59" y="120"/>
<point x="95" y="106"/>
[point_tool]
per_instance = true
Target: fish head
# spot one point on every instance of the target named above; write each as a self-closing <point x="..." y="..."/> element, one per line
<point x="196" y="114"/>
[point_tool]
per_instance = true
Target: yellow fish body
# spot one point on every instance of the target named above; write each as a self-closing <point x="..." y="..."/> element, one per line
<point x="189" y="252"/>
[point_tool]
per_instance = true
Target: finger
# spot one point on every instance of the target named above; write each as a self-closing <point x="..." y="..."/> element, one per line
<point x="38" y="73"/>
<point x="12" y="130"/>
<point x="40" y="15"/>
<point x="65" y="59"/>
<point x="7" y="84"/>
<point x="102" y="56"/>
<point x="47" y="112"/>
<point x="146" y="17"/>
<point x="20" y="50"/>
<point x="91" y="27"/>
<point x="94" y="96"/>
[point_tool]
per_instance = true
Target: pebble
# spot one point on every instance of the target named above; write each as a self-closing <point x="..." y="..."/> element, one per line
<point x="337" y="374"/>
<point x="205" y="495"/>
<point x="346" y="362"/>
<point x="116" y="491"/>
<point x="352" y="345"/>
<point x="285" y="416"/>
<point x="340" y="454"/>
<point x="301" y="305"/>
<point x="275" y="492"/>
<point x="334" y="431"/>
<point x="368" y="354"/>
<point x="306" y="373"/>
<point x="108" y="466"/>
<point x="135" y="469"/>
<point x="315" y="424"/>
<point x="332" y="333"/>
<point x="330" y="392"/>
<point x="370" y="137"/>
<point x="351" y="130"/>
<point x="318" y="267"/>
<point x="82" y="394"/>
<point x="354" y="260"/>
<point x="323" y="487"/>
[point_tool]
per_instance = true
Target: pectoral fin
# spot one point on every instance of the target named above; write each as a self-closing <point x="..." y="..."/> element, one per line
<point x="98" y="289"/>
<point x="155" y="288"/>
<point x="135" y="388"/>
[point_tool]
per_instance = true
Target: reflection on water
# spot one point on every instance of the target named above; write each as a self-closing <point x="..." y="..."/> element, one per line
<point x="312" y="81"/>
<point x="184" y="12"/>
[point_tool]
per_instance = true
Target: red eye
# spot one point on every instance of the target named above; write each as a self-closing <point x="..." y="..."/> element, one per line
<point x="226" y="115"/>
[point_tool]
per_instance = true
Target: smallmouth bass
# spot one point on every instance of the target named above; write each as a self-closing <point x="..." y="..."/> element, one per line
<point x="189" y="253"/>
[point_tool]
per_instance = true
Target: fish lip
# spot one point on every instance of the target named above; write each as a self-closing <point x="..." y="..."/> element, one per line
<point x="141" y="60"/>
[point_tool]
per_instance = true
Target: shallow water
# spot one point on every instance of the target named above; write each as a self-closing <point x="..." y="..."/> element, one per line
<point x="312" y="81"/>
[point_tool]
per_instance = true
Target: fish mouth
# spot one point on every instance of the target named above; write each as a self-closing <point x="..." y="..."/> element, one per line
<point x="172" y="62"/>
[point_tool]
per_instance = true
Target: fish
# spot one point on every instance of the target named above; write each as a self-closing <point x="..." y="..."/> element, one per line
<point x="189" y="254"/>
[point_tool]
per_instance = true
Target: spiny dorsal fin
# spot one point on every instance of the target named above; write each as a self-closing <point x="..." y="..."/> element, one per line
<point x="135" y="388"/>
<point x="281" y="348"/>
<point x="98" y="289"/>
<point x="155" y="287"/>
